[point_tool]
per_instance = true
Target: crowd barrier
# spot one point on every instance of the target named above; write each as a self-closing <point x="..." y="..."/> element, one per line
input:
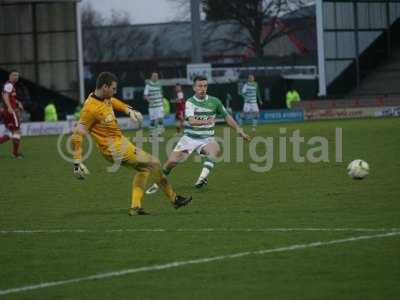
<point x="266" y="116"/>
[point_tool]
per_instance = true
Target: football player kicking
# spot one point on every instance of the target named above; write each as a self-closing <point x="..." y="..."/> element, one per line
<point x="200" y="113"/>
<point x="97" y="117"/>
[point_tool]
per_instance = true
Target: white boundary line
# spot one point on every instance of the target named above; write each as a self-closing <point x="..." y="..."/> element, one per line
<point x="127" y="230"/>
<point x="192" y="262"/>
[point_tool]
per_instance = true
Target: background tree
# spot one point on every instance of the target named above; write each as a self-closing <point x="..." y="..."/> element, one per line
<point x="261" y="21"/>
<point x="109" y="39"/>
<point x="247" y="24"/>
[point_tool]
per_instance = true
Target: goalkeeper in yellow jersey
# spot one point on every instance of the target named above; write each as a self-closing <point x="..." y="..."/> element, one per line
<point x="97" y="117"/>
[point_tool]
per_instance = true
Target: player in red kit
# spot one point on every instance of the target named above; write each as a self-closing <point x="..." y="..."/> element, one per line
<point x="180" y="108"/>
<point x="11" y="113"/>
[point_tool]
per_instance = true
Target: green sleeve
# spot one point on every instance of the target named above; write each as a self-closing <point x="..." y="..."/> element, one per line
<point x="221" y="109"/>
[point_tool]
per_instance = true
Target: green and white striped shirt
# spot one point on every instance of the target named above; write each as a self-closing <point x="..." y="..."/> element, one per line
<point x="153" y="90"/>
<point x="202" y="109"/>
<point x="250" y="91"/>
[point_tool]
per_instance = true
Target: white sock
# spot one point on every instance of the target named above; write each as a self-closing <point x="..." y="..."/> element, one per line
<point x="204" y="173"/>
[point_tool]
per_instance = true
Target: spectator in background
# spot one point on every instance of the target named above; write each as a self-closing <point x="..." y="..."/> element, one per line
<point x="292" y="96"/>
<point x="50" y="112"/>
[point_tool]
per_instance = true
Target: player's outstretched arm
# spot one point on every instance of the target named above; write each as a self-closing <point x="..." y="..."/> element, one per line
<point x="135" y="116"/>
<point x="119" y="105"/>
<point x="232" y="123"/>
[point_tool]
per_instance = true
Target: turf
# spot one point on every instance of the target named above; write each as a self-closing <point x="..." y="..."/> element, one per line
<point x="40" y="193"/>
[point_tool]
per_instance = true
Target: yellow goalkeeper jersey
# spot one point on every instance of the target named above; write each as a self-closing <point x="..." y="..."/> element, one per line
<point x="97" y="115"/>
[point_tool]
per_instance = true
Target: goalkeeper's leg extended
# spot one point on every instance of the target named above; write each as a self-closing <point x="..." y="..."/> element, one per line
<point x="147" y="165"/>
<point x="173" y="160"/>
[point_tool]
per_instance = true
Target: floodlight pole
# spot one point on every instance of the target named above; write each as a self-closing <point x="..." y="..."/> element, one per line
<point x="197" y="56"/>
<point x="357" y="47"/>
<point x="321" y="50"/>
<point x="81" y="79"/>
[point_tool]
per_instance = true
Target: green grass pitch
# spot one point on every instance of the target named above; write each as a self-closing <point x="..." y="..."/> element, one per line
<point x="236" y="213"/>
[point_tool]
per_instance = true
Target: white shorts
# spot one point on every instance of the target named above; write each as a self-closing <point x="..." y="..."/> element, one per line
<point x="188" y="144"/>
<point x="156" y="113"/>
<point x="250" y="108"/>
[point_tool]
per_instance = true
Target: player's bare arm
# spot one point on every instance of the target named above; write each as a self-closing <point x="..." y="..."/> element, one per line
<point x="232" y="123"/>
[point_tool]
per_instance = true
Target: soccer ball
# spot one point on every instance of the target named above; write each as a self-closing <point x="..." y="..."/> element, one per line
<point x="358" y="169"/>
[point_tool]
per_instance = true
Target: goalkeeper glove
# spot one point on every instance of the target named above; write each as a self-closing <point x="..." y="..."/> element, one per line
<point x="80" y="170"/>
<point x="135" y="116"/>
